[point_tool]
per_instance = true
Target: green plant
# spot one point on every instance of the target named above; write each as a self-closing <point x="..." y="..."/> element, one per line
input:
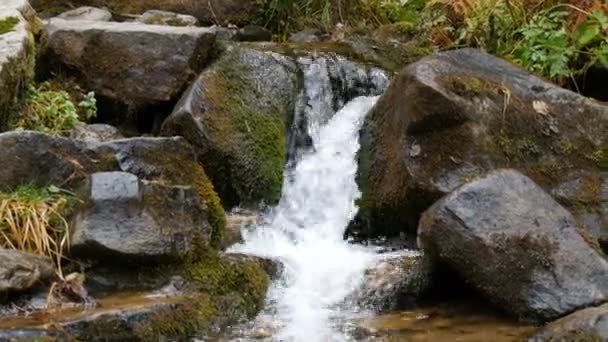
<point x="52" y="110"/>
<point x="33" y="219"/>
<point x="591" y="38"/>
<point x="545" y="47"/>
<point x="8" y="24"/>
<point x="88" y="106"/>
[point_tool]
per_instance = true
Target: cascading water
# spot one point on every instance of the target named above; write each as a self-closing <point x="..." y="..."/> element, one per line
<point x="305" y="231"/>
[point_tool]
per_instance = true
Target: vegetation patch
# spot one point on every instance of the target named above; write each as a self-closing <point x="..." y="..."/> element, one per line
<point x="8" y="24"/>
<point x="34" y="219"/>
<point x="227" y="290"/>
<point x="51" y="110"/>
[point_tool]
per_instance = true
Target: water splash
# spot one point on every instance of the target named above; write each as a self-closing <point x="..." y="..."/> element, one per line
<point x="305" y="232"/>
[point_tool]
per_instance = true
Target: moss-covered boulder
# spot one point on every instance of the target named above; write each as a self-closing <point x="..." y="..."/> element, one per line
<point x="237" y="115"/>
<point x="455" y="115"/>
<point x="230" y="288"/>
<point x="238" y="12"/>
<point x="516" y="245"/>
<point x="19" y="29"/>
<point x="133" y="66"/>
<point x="168" y="161"/>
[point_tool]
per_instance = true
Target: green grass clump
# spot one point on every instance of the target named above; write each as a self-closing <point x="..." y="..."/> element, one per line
<point x="8" y="24"/>
<point x="34" y="219"/>
<point x="51" y="110"/>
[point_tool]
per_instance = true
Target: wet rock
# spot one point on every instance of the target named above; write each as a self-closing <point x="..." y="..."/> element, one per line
<point x="37" y="158"/>
<point x="253" y="33"/>
<point x="273" y="268"/>
<point x="456" y="115"/>
<point x="235" y="222"/>
<point x="518" y="247"/>
<point x="17" y="55"/>
<point x="236" y="115"/>
<point x="396" y="282"/>
<point x="94" y="133"/>
<point x="330" y="81"/>
<point x="589" y="324"/>
<point x="117" y="319"/>
<point x="157" y="17"/>
<point x="136" y="219"/>
<point x="87" y="13"/>
<point x="20" y="271"/>
<point x="117" y="62"/>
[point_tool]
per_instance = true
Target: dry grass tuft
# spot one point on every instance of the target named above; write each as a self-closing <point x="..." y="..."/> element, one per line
<point x="33" y="220"/>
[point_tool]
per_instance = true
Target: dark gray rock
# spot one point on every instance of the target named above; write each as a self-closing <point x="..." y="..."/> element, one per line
<point x="20" y="271"/>
<point x="87" y="13"/>
<point x="253" y="33"/>
<point x="236" y="115"/>
<point x="128" y="217"/>
<point x="396" y="282"/>
<point x="133" y="64"/>
<point x="157" y="17"/>
<point x="455" y="115"/>
<point x="589" y="324"/>
<point x="37" y="158"/>
<point x="518" y="247"/>
<point x="93" y="133"/>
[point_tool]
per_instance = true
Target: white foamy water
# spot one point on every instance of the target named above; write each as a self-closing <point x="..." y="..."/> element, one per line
<point x="305" y="232"/>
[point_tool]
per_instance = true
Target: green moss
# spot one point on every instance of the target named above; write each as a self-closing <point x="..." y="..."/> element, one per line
<point x="8" y="24"/>
<point x="250" y="134"/>
<point x="470" y="86"/>
<point x="217" y="216"/>
<point x="600" y="157"/>
<point x="228" y="289"/>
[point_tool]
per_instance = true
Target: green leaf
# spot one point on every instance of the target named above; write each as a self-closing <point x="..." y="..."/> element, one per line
<point x="586" y="33"/>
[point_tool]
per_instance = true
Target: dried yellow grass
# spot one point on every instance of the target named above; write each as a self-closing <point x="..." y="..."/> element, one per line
<point x="33" y="220"/>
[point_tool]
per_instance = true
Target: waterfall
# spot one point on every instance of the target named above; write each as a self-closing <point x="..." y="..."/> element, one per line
<point x="305" y="230"/>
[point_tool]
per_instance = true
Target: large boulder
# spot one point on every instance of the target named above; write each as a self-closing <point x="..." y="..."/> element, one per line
<point x="36" y="158"/>
<point x="169" y="161"/>
<point x="19" y="27"/>
<point x="129" y="217"/>
<point x="131" y="64"/>
<point x="589" y="324"/>
<point x="517" y="246"/>
<point x="20" y="270"/>
<point x="455" y="115"/>
<point x="237" y="115"/>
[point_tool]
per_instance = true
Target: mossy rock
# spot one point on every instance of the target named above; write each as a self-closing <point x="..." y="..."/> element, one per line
<point x="230" y="288"/>
<point x="20" y="32"/>
<point x="452" y="117"/>
<point x="237" y="116"/>
<point x="170" y="161"/>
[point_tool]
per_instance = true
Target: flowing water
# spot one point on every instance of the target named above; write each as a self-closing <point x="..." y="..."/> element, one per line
<point x="305" y="232"/>
<point x="309" y="302"/>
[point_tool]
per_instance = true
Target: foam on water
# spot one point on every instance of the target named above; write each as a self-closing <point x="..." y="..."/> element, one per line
<point x="305" y="232"/>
